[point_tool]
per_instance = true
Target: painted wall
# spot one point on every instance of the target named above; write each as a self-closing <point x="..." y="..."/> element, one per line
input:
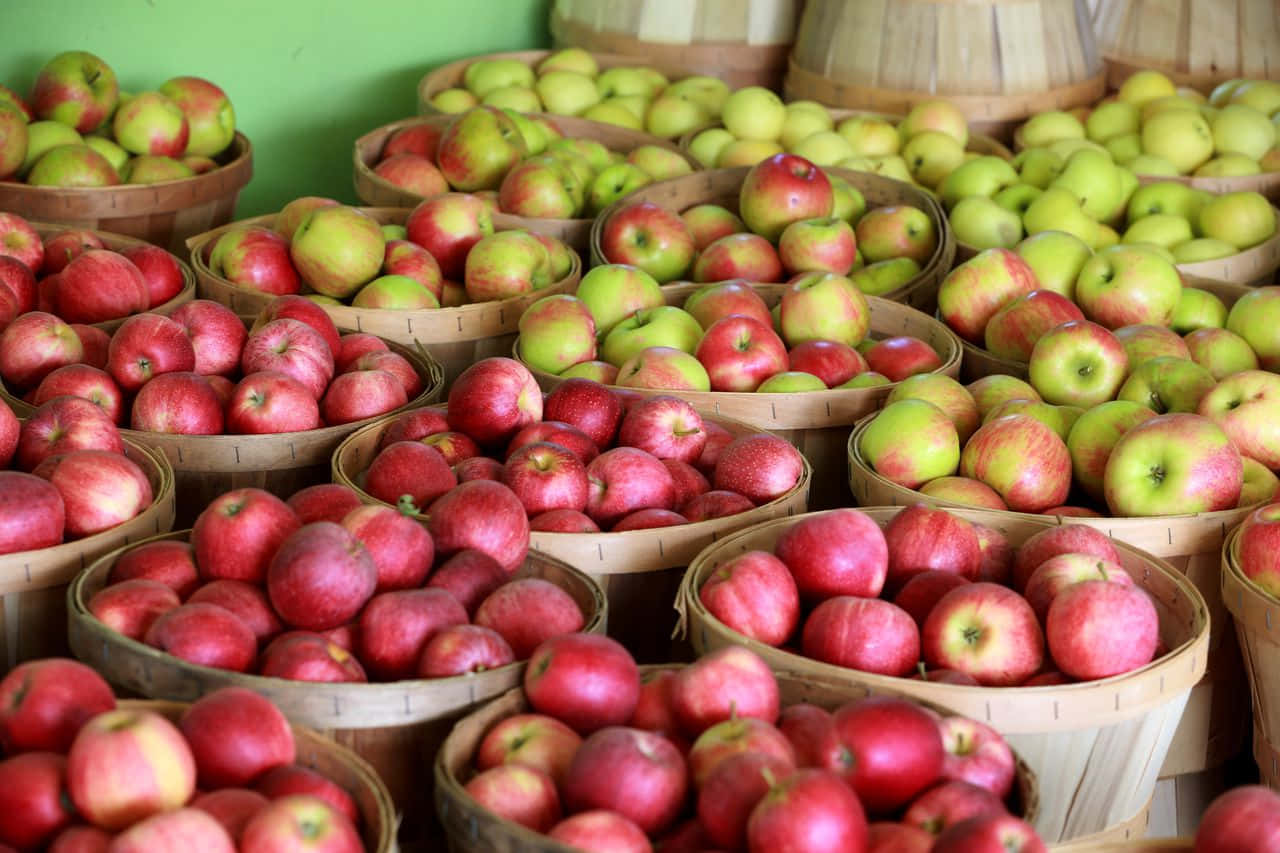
<point x="306" y="77"/>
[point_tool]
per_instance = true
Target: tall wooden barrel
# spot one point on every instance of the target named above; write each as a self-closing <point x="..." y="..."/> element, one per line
<point x="999" y="61"/>
<point x="743" y="42"/>
<point x="1196" y="43"/>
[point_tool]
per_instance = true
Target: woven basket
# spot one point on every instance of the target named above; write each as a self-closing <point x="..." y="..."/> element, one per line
<point x="1213" y="727"/>
<point x="639" y="570"/>
<point x="743" y="43"/>
<point x="455" y="337"/>
<point x="165" y="214"/>
<point x="721" y="186"/>
<point x="395" y="726"/>
<point x="474" y="829"/>
<point x="816" y="422"/>
<point x="999" y="61"/>
<point x="1096" y="747"/>
<point x="1155" y="845"/>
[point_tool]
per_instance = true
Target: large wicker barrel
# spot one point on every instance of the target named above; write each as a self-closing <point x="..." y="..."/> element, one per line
<point x="1197" y="43"/>
<point x="999" y="61"/>
<point x="743" y="42"/>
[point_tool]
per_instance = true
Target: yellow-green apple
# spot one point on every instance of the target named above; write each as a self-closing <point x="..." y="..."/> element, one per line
<point x="931" y="155"/>
<point x="1256" y="318"/>
<point x="1171" y="465"/>
<point x="506" y="264"/>
<point x="1038" y="167"/>
<point x="1093" y="436"/>
<point x="566" y="92"/>
<point x="1058" y="209"/>
<point x="208" y="110"/>
<point x="153" y="169"/>
<point x="901" y="356"/>
<point x="707" y="146"/>
<point x="659" y="162"/>
<point x="557" y="332"/>
<point x="1025" y="461"/>
<point x="395" y="292"/>
<point x="1127" y="285"/>
<point x="664" y="326"/>
<point x="1182" y="137"/>
<point x="802" y="123"/>
<point x="1260" y="483"/>
<point x="896" y="231"/>
<point x="1198" y="309"/>
<point x="1057" y="418"/>
<point x="982" y="176"/>
<point x="870" y="136"/>
<point x="945" y="393"/>
<point x="73" y="166"/>
<point x="485" y="75"/>
<point x="478" y="147"/>
<point x="707" y="223"/>
<point x="561" y="256"/>
<point x="790" y="382"/>
<point x="614" y="291"/>
<point x="595" y="154"/>
<point x="818" y="245"/>
<point x="780" y="190"/>
<point x="985" y="630"/>
<point x="1202" y="249"/>
<point x="77" y="89"/>
<point x="1243" y="219"/>
<point x="1159" y="229"/>
<point x="983" y="224"/>
<point x="1244" y="406"/>
<point x="1241" y="129"/>
<point x="336" y="250"/>
<point x="1262" y="95"/>
<point x="910" y="442"/>
<point x="1017" y="198"/>
<point x="1012" y="331"/>
<point x="1221" y="352"/>
<point x="746" y="152"/>
<point x="739" y="353"/>
<point x="822" y="148"/>
<point x="44" y="136"/>
<point x="612" y="183"/>
<point x="1050" y="126"/>
<point x="540" y="187"/>
<point x="664" y="368"/>
<point x="832" y="362"/>
<point x="1228" y="166"/>
<point x="1144" y="86"/>
<point x="650" y="237"/>
<point x="1078" y="613"/>
<point x="936" y="115"/>
<point x="672" y="114"/>
<point x="716" y="301"/>
<point x="1126" y="148"/>
<point x="154" y="754"/>
<point x="1165" y="197"/>
<point x="1167" y="384"/>
<point x="744" y="256"/>
<point x="884" y="277"/>
<point x="846" y="201"/>
<point x="973" y="292"/>
<point x="990" y="391"/>
<point x="963" y="490"/>
<point x="1109" y="120"/>
<point x="150" y="123"/>
<point x="754" y="113"/>
<point x="13" y="99"/>
<point x="1095" y="181"/>
<point x="824" y="306"/>
<point x="629" y="81"/>
<point x="1144" y="342"/>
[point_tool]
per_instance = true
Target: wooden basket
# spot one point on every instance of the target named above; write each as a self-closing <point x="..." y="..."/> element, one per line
<point x="336" y="763"/>
<point x="117" y="242"/>
<point x="33" y="584"/>
<point x="474" y="829"/>
<point x="1154" y="845"/>
<point x="1180" y="802"/>
<point x="205" y="466"/>
<point x="979" y="362"/>
<point x="455" y="337"/>
<point x="1213" y="727"/>
<point x="1193" y="42"/>
<point x="744" y="44"/>
<point x="639" y="570"/>
<point x="816" y="422"/>
<point x="1096" y="747"/>
<point x="720" y="186"/>
<point x="999" y="61"/>
<point x="395" y="726"/>
<point x="165" y="214"/>
<point x="451" y="74"/>
<point x="375" y="190"/>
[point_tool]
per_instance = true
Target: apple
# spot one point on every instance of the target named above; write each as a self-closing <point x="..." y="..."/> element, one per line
<point x="1221" y="352"/>
<point x="977" y="289"/>
<point x="1126" y="285"/>
<point x="587" y="405"/>
<point x="100" y="285"/>
<point x="401" y="548"/>
<point x="664" y="326"/>
<point x="506" y="264"/>
<point x="246" y="601"/>
<point x="448" y="226"/>
<point x="185" y="827"/>
<point x="403" y="258"/>
<point x="716" y="503"/>
<point x="811" y="809"/>
<point x="533" y="740"/>
<point x="1241" y="219"/>
<point x="1240" y="404"/>
<point x="181" y="403"/>
<point x="1022" y="459"/>
<point x="911" y="442"/>
<point x="900" y="357"/>
<point x="483" y="515"/>
<point x="557" y="332"/>
<point x="300" y="822"/>
<point x="151" y="123"/>
<point x="396" y="625"/>
<point x="257" y="258"/>
<point x="1057" y="573"/>
<point x="645" y="772"/>
<point x="1251" y="318"/>
<point x="865" y="634"/>
<point x="896" y="231"/>
<point x="557" y="432"/>
<point x="77" y="89"/>
<point x="18" y="289"/>
<point x="987" y="631"/>
<point x="1142" y="478"/>
<point x="527" y="611"/>
<point x="1238" y="820"/>
<point x="493" y="399"/>
<point x="732" y="682"/>
<point x="34" y="345"/>
<point x="1093" y="436"/>
<point x="664" y="426"/>
<point x="236" y="735"/>
<point x="707" y="223"/>
<point x="1167" y="384"/>
<point x="304" y="656"/>
<point x="963" y="490"/>
<point x="780" y="190"/>
<point x="206" y="635"/>
<point x="478" y="148"/>
<point x="990" y="834"/>
<point x="235" y="536"/>
<point x="217" y="335"/>
<point x="626" y="479"/>
<point x="755" y="595"/>
<point x="77" y="380"/>
<point x="269" y="401"/>
<point x="714" y="302"/>
<point x="824" y="306"/>
<point x="744" y="255"/>
<point x="1144" y="342"/>
<point x="320" y="577"/>
<point x="920" y="539"/>
<point x="977" y="754"/>
<point x="100" y="489"/>
<point x="44" y="703"/>
<point x="63" y="425"/>
<point x="760" y="466"/>
<point x="587" y="681"/>
<point x="1012" y="332"/>
<point x="1078" y="363"/>
<point x="409" y="474"/>
<point x="168" y="562"/>
<point x="1128" y="642"/>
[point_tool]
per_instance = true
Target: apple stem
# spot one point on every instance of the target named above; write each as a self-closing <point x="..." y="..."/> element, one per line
<point x="924" y="672"/>
<point x="406" y="506"/>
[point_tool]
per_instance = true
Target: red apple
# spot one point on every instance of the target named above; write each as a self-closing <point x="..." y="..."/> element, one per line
<point x="528" y="611"/>
<point x="183" y="829"/>
<point x="320" y="577"/>
<point x="734" y="737"/>
<point x="306" y="311"/>
<point x="231" y="807"/>
<point x="1057" y="573"/>
<point x="245" y="600"/>
<point x="997" y="555"/>
<point x="355" y="344"/>
<point x="1242" y="819"/>
<point x="626" y="479"/>
<point x="44" y="703"/>
<point x="130" y="607"/>
<point x="841" y="552"/>
<point x="761" y="466"/>
<point x="987" y="631"/>
<point x="517" y="793"/>
<point x="63" y="425"/>
<point x="921" y="538"/>
<point x="395" y="626"/>
<point x="714" y="302"/>
<point x="1066" y="539"/>
<point x="546" y="476"/>
<point x="591" y="407"/>
<point x="886" y="837"/>
<point x="587" y="681"/>
<point x="665" y="426"/>
<point x="304" y="656"/>
<point x="291" y="347"/>
<point x="556" y="432"/>
<point x="293" y="779"/>
<point x="81" y="380"/>
<point x="236" y="735"/>
<point x="270" y="402"/>
<point x="401" y="548"/>
<point x="179" y="403"/>
<point x="901" y="356"/>
<point x="534" y="740"/>
<point x="170" y="562"/>
<point x="831" y="361"/>
<point x="453" y="446"/>
<point x="810" y="810"/>
<point x="866" y="634"/>
<point x="780" y="190"/>
<point x="976" y="753"/>
<point x="636" y="773"/>
<point x="298" y="823"/>
<point x="469" y="576"/>
<point x="204" y="634"/>
<point x="482" y="515"/>
<point x="1084" y="650"/>
<point x="918" y="595"/>
<point x="147" y="346"/>
<point x="493" y="399"/>
<point x="740" y="352"/>
<point x="462" y="649"/>
<point x="81" y="839"/>
<point x="448" y="226"/>
<point x="237" y="534"/>
<point x="891" y="750"/>
<point x="731" y="791"/>
<point x="409" y="469"/>
<point x="755" y="595"/>
<point x="360" y="395"/>
<point x="563" y="521"/>
<point x="325" y="502"/>
<point x="217" y="335"/>
<point x="159" y="270"/>
<point x="949" y="803"/>
<point x="990" y="834"/>
<point x="34" y="345"/>
<point x="602" y="831"/>
<point x="100" y="285"/>
<point x="33" y="804"/>
<point x="99" y="489"/>
<point x="63" y="247"/>
<point x="732" y="681"/>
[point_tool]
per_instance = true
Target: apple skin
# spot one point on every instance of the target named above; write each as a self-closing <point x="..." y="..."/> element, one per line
<point x="44" y="703"/>
<point x="256" y="521"/>
<point x="304" y="656"/>
<point x="217" y="335"/>
<point x="869" y="635"/>
<point x="810" y="810"/>
<point x="910" y="442"/>
<point x="130" y="607"/>
<point x="100" y="489"/>
<point x="235" y="735"/>
<point x="395" y="626"/>
<point x="1022" y="459"/>
<point x="300" y="823"/>
<point x="963" y="490"/>
<point x="638" y="774"/>
<point x="586" y="681"/>
<point x="101" y="285"/>
<point x="842" y="552"/>
<point x="974" y="291"/>
<point x="587" y="405"/>
<point x="81" y="839"/>
<point x="1055" y="541"/>
<point x="1207" y="478"/>
<point x="528" y="611"/>
<point x="179" y="403"/>
<point x="653" y="710"/>
<point x="780" y="190"/>
<point x="755" y="595"/>
<point x="885" y="837"/>
<point x="95" y="342"/>
<point x="484" y="515"/>
<point x="146" y="747"/>
<point x="987" y="631"/>
<point x="231" y="807"/>
<point x="714" y="302"/>
<point x="732" y="789"/>
<point x="159" y="270"/>
<point x="760" y="466"/>
<point x="1255" y="552"/>
<point x="204" y="634"/>
<point x="320" y="576"/>
<point x="34" y="345"/>
<point x="247" y="601"/>
<point x="1242" y="819"/>
<point x="918" y="595"/>
<point x="1079" y="644"/>
<point x="990" y="834"/>
<point x="920" y="539"/>
<point x="732" y="681"/>
<point x="323" y="502"/>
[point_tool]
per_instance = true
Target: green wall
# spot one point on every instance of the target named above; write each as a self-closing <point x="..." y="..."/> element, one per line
<point x="306" y="77"/>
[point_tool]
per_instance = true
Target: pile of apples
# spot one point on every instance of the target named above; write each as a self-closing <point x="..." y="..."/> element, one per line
<point x="1258" y="548"/>
<point x="937" y="593"/>
<point x="72" y="274"/>
<point x="523" y="163"/>
<point x="994" y="203"/>
<point x="82" y="773"/>
<point x="569" y="82"/>
<point x="325" y="589"/>
<point x="446" y="254"/>
<point x="610" y="759"/>
<point x="1155" y="128"/>
<point x="584" y="460"/>
<point x="922" y="148"/>
<point x="199" y="371"/>
<point x="1122" y="419"/>
<point x="77" y="129"/>
<point x="64" y="475"/>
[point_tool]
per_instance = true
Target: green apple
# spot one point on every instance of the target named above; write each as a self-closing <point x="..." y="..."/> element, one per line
<point x="1056" y="257"/>
<point x="453" y="100"/>
<point x="114" y="154"/>
<point x="982" y="176"/>
<point x="1125" y="148"/>
<point x="337" y="250"/>
<point x="1198" y="309"/>
<point x="891" y="166"/>
<point x="624" y="80"/>
<point x="847" y="200"/>
<point x="1057" y="418"/>
<point x="664" y="367"/>
<point x="1256" y="318"/>
<point x="1038" y="166"/>
<point x="1106" y="236"/>
<point x="1229" y="165"/>
<point x="535" y="138"/>
<point x="75" y="166"/>
<point x="803" y="123"/>
<point x="570" y="59"/>
<point x="637" y="105"/>
<point x="597" y="156"/>
<point x="659" y="162"/>
<point x="1094" y="180"/>
<point x="1260" y="483"/>
<point x="935" y="115"/>
<point x="1243" y="219"/>
<point x="517" y="99"/>
<point x="990" y="391"/>
<point x="866" y="379"/>
<point x="43" y="136"/>
<point x="822" y="148"/>
<point x="790" y="382"/>
<point x="1170" y="104"/>
<point x="1058" y="209"/>
<point x="1064" y="148"/>
<point x="1221" y="352"/>
<point x="1262" y="95"/>
<point x="1149" y="164"/>
<point x="945" y="393"/>
<point x="1221" y="94"/>
<point x="613" y="291"/>
<point x="870" y="136"/>
<point x="1165" y="197"/>
<point x="931" y="155"/>
<point x="599" y="371"/>
<point x="321" y="299"/>
<point x="1077" y="363"/>
<point x="1270" y="161"/>
<point x="1241" y="129"/>
<point x="1181" y="137"/>
<point x="1167" y="384"/>
<point x="673" y="115"/>
<point x="611" y="112"/>
<point x="567" y="92"/>
<point x="1094" y="434"/>
<point x="613" y="183"/>
<point x="707" y="145"/>
<point x="1017" y="198"/>
<point x="484" y="75"/>
<point x="1202" y="249"/>
<point x="1144" y="86"/>
<point x="663" y="326"/>
<point x="395" y="292"/>
<point x="711" y="92"/>
<point x="1044" y="128"/>
<point x="1160" y="229"/>
<point x="1127" y="285"/>
<point x="754" y="113"/>
<point x="746" y="152"/>
<point x="885" y="276"/>
<point x="394" y="232"/>
<point x="910" y="442"/>
<point x="1143" y="343"/>
<point x="1129" y="184"/>
<point x="1108" y="121"/>
<point x="983" y="224"/>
